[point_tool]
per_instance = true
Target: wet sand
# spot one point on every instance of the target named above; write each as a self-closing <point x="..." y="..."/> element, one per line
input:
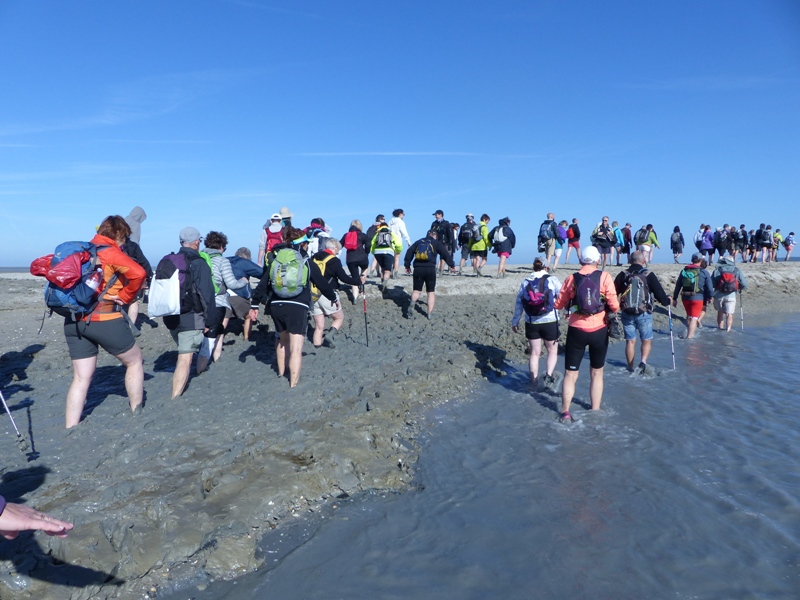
<point x="185" y="491"/>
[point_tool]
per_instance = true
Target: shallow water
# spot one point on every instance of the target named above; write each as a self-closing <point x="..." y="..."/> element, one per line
<point x="685" y="485"/>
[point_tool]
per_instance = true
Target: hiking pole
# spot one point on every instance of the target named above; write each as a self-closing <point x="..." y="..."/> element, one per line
<point x="366" y="327"/>
<point x="671" y="338"/>
<point x="22" y="443"/>
<point x="741" y="308"/>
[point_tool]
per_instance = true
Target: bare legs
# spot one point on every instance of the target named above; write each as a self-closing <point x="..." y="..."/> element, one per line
<point x="181" y="374"/>
<point x="595" y="389"/>
<point x="630" y="351"/>
<point x="536" y="353"/>
<point x="290" y="350"/>
<point x="83" y="371"/>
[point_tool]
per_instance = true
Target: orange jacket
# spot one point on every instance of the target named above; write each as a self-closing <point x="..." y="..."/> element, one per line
<point x="130" y="277"/>
<point x="588" y="323"/>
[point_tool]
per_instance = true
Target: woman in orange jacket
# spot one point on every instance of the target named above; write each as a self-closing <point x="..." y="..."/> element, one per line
<point x="106" y="326"/>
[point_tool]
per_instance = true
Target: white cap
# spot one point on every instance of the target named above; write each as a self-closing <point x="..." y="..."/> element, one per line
<point x="589" y="255"/>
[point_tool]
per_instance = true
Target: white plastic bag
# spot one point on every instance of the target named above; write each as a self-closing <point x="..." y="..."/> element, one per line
<point x="165" y="297"/>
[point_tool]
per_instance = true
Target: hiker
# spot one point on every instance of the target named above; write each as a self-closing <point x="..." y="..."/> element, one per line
<point x="316" y="232"/>
<point x="243" y="266"/>
<point x="694" y="288"/>
<point x="465" y="235"/>
<point x="721" y="238"/>
<point x="198" y="307"/>
<point x="286" y="292"/>
<point x="707" y="243"/>
<point x="371" y="231"/>
<point x="740" y="238"/>
<point x="627" y="241"/>
<point x="134" y="220"/>
<point x="356" y="242"/>
<point x="676" y="244"/>
<point x="423" y="254"/>
<point x="16" y="518"/>
<point x="385" y="245"/>
<point x="652" y="241"/>
<point x="453" y="247"/>
<point x="573" y="240"/>
<point x="697" y="239"/>
<point x="603" y="238"/>
<point x="765" y="241"/>
<point x="777" y="240"/>
<point x="503" y="242"/>
<point x="637" y="287"/>
<point x="398" y="227"/>
<point x="479" y="245"/>
<point x="271" y="236"/>
<point x="589" y="294"/>
<point x="133" y="250"/>
<point x="753" y="247"/>
<point x="444" y="234"/>
<point x="620" y="241"/>
<point x="788" y="245"/>
<point x="548" y="231"/>
<point x="726" y="280"/>
<point x="222" y="275"/>
<point x="106" y="326"/>
<point x="330" y="267"/>
<point x="536" y="302"/>
<point x="561" y="241"/>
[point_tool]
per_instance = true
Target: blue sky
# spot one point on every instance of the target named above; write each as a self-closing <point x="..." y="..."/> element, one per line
<point x="217" y="113"/>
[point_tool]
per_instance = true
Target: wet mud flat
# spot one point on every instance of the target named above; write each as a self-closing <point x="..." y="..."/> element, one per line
<point x="186" y="491"/>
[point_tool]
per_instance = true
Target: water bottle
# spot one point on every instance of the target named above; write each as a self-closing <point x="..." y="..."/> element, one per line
<point x="95" y="279"/>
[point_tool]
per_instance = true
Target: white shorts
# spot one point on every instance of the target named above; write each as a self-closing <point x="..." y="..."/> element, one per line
<point x="726" y="303"/>
<point x="323" y="306"/>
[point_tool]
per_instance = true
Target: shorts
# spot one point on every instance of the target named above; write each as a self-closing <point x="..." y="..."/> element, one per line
<point x="385" y="262"/>
<point x="478" y="253"/>
<point x="578" y="340"/>
<point x="693" y="308"/>
<point x="726" y="303"/>
<point x="356" y="268"/>
<point x="464" y="252"/>
<point x="189" y="341"/>
<point x="575" y="244"/>
<point x="550" y="248"/>
<point x="643" y="248"/>
<point x="604" y="250"/>
<point x="558" y="251"/>
<point x="240" y="307"/>
<point x="83" y="339"/>
<point x="505" y="254"/>
<point x="424" y="275"/>
<point x="542" y="331"/>
<point x="293" y="316"/>
<point x="323" y="306"/>
<point x="641" y="324"/>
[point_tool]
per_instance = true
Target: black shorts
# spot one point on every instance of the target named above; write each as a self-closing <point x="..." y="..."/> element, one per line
<point x="83" y="339"/>
<point x="542" y="331"/>
<point x="426" y="275"/>
<point x="290" y="316"/>
<point x="478" y="253"/>
<point x="385" y="261"/>
<point x="604" y="249"/>
<point x="578" y="340"/>
<point x="356" y="268"/>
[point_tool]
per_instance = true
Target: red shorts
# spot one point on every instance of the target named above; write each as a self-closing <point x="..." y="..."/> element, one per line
<point x="506" y="254"/>
<point x="693" y="308"/>
<point x="576" y="245"/>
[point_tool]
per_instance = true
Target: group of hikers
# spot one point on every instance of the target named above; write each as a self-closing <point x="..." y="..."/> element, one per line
<point x="748" y="246"/>
<point x="299" y="270"/>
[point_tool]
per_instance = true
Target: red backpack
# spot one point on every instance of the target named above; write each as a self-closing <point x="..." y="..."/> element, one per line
<point x="351" y="240"/>
<point x="273" y="238"/>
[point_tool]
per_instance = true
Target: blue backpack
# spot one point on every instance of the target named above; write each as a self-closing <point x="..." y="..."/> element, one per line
<point x="79" y="299"/>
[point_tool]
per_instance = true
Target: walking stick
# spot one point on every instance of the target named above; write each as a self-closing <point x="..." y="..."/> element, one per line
<point x="741" y="308"/>
<point x="22" y="443"/>
<point x="671" y="338"/>
<point x="366" y="327"/>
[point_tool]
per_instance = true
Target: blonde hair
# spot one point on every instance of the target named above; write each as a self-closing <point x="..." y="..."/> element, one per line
<point x="357" y="224"/>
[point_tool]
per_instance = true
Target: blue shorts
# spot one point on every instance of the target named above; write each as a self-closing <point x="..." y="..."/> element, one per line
<point x="643" y="324"/>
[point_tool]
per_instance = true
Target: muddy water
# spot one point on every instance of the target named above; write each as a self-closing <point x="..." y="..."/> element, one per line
<point x="685" y="485"/>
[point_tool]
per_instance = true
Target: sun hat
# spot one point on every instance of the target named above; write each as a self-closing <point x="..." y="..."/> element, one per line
<point x="190" y="234"/>
<point x="589" y="255"/>
<point x="276" y="217"/>
<point x="286" y="213"/>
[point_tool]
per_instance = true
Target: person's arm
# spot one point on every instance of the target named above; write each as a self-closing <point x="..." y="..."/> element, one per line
<point x="412" y="250"/>
<point x="485" y="235"/>
<point x="404" y="232"/>
<point x="565" y="295"/>
<point x="442" y="251"/>
<point x="336" y="269"/>
<point x="262" y="246"/>
<point x="397" y="243"/>
<point x="15" y="518"/>
<point x="708" y="289"/>
<point x="518" y="310"/>
<point x="607" y="289"/>
<point x="131" y="276"/>
<point x="226" y="272"/>
<point x="619" y="282"/>
<point x="204" y="284"/>
<point x="656" y="289"/>
<point x="742" y="280"/>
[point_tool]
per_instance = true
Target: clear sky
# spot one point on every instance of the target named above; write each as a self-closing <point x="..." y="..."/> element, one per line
<point x="216" y="113"/>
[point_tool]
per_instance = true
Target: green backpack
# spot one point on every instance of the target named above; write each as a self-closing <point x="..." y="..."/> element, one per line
<point x="207" y="258"/>
<point x="288" y="273"/>
<point x="690" y="281"/>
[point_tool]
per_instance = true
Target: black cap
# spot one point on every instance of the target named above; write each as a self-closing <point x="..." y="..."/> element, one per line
<point x="439" y="212"/>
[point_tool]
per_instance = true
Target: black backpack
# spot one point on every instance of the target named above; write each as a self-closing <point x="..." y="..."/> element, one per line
<point x="465" y="233"/>
<point x="641" y="236"/>
<point x="636" y="299"/>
